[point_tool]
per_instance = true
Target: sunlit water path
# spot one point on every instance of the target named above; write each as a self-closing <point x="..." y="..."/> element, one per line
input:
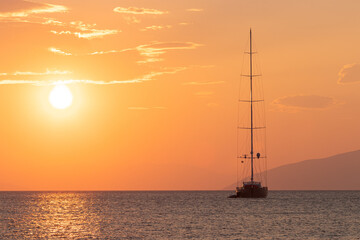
<point x="179" y="215"/>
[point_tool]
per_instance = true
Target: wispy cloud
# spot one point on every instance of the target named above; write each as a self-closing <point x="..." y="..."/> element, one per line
<point x="58" y="51"/>
<point x="78" y="29"/>
<point x="91" y="33"/>
<point x="110" y="51"/>
<point x="151" y="52"/>
<point x="48" y="72"/>
<point x="84" y="30"/>
<point x="203" y="83"/>
<point x="139" y="11"/>
<point x="158" y="48"/>
<point x="38" y="8"/>
<point x="150" y="60"/>
<point x="51" y="21"/>
<point x="147" y="77"/>
<point x="61" y="52"/>
<point x="298" y="102"/>
<point x="195" y="10"/>
<point x="131" y="19"/>
<point x="156" y="27"/>
<point x="349" y="74"/>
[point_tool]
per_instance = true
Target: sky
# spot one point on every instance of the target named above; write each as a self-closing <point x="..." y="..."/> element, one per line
<point x="155" y="89"/>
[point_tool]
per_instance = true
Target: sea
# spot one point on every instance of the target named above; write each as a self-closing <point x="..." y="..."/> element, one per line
<point x="179" y="215"/>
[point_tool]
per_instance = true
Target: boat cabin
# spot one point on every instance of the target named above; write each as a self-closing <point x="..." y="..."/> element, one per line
<point x="248" y="185"/>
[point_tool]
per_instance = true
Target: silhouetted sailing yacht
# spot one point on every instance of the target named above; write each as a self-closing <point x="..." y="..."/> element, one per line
<point x="252" y="151"/>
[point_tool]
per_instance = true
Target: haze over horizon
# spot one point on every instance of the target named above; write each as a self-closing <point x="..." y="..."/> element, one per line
<point x="152" y="89"/>
<point x="338" y="172"/>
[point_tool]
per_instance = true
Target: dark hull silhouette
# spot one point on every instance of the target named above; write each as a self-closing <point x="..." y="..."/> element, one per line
<point x="252" y="192"/>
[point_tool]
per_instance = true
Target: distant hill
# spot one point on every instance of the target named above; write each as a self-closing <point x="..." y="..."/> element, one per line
<point x="339" y="172"/>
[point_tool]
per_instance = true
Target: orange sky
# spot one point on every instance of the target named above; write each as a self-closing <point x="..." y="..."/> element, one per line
<point x="155" y="89"/>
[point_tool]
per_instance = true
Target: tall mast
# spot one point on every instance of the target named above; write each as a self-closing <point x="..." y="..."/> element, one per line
<point x="251" y="106"/>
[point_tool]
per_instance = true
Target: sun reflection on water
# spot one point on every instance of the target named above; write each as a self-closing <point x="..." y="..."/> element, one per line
<point x="58" y="215"/>
<point x="178" y="215"/>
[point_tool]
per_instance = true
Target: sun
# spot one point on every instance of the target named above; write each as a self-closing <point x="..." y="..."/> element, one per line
<point x="60" y="97"/>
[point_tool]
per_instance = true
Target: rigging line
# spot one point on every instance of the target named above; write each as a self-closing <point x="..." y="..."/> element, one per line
<point x="238" y="117"/>
<point x="264" y="121"/>
<point x="237" y="173"/>
<point x="251" y="106"/>
<point x="237" y="133"/>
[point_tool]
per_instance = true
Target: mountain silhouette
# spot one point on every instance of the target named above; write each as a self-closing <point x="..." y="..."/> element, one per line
<point x="338" y="172"/>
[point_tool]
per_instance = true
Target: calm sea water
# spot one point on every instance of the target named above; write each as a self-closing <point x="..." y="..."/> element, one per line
<point x="179" y="215"/>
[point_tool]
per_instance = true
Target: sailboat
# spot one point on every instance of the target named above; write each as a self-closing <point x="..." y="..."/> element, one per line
<point x="251" y="155"/>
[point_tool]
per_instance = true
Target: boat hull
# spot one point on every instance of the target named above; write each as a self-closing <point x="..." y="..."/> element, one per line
<point x="260" y="192"/>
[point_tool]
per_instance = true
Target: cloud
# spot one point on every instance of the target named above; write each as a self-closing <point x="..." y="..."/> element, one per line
<point x="51" y="21"/>
<point x="70" y="81"/>
<point x="151" y="52"/>
<point x="349" y="74"/>
<point x="30" y="9"/>
<point x="138" y="11"/>
<point x="158" y="48"/>
<point x="203" y="83"/>
<point x="150" y="60"/>
<point x="24" y="11"/>
<point x="109" y="51"/>
<point x="131" y="19"/>
<point x="92" y="33"/>
<point x="156" y="27"/>
<point x="78" y="29"/>
<point x="195" y="10"/>
<point x="87" y="31"/>
<point x="147" y="77"/>
<point x="47" y="73"/>
<point x="61" y="52"/>
<point x="58" y="51"/>
<point x="297" y="102"/>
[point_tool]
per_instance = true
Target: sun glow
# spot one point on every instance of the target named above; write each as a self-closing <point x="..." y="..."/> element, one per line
<point x="60" y="97"/>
